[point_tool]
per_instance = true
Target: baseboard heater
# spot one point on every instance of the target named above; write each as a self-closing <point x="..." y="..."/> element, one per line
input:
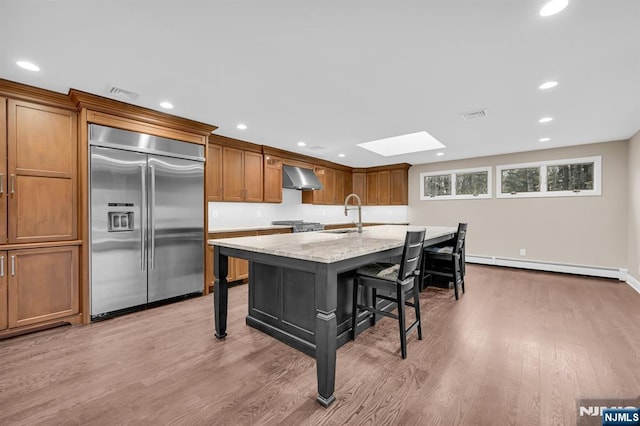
<point x="594" y="271"/>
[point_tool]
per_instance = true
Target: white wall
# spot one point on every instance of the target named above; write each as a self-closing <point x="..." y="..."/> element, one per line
<point x="633" y="215"/>
<point x="226" y="215"/>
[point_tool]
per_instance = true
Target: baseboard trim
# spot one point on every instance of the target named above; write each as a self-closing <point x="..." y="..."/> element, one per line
<point x="634" y="283"/>
<point x="594" y="271"/>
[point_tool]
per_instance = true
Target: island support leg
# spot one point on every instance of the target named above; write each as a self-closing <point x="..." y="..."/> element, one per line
<point x="220" y="292"/>
<point x="326" y="335"/>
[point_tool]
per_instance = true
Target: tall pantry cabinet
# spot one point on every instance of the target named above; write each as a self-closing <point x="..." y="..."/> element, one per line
<point x="38" y="209"/>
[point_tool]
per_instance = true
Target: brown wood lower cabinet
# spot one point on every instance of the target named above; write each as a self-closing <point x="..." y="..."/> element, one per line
<point x="238" y="269"/>
<point x="4" y="318"/>
<point x="41" y="284"/>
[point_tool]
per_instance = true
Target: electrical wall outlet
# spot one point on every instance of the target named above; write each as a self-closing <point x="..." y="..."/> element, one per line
<point x="258" y="213"/>
<point x="214" y="214"/>
<point x="523" y="252"/>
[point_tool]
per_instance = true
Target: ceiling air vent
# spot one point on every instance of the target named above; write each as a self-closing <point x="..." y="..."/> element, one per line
<point x="474" y="114"/>
<point x="122" y="93"/>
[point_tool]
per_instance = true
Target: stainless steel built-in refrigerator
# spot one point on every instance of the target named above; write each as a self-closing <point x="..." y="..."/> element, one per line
<point x="147" y="219"/>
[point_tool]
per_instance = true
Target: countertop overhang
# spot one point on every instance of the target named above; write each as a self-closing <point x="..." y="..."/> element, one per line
<point x="329" y="247"/>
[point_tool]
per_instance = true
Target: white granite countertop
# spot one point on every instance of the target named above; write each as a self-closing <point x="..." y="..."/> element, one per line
<point x="328" y="247"/>
<point x="247" y="228"/>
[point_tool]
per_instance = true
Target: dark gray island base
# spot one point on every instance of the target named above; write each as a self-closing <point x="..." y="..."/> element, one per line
<point x="300" y="287"/>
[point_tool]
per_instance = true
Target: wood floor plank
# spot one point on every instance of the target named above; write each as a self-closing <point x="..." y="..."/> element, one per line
<point x="518" y="348"/>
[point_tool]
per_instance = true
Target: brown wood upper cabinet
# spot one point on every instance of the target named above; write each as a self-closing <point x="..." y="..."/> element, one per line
<point x="317" y="196"/>
<point x="272" y="179"/>
<point x="378" y="188"/>
<point x="336" y="185"/>
<point x="382" y="187"/>
<point x="372" y="189"/>
<point x="39" y="173"/>
<point x="242" y="175"/>
<point x="344" y="184"/>
<point x="3" y="174"/>
<point x="359" y="185"/>
<point x="214" y="172"/>
<point x="399" y="182"/>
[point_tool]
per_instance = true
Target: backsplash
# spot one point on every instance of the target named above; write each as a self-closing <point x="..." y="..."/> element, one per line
<point x="225" y="215"/>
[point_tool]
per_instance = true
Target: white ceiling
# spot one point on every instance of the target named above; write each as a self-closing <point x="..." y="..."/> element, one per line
<point x="336" y="73"/>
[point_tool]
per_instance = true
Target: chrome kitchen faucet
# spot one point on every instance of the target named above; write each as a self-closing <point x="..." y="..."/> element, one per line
<point x="346" y="210"/>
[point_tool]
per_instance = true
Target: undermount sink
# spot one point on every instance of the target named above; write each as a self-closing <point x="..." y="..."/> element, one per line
<point x="342" y="231"/>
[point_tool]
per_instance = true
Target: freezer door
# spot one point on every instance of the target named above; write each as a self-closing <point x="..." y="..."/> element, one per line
<point x="176" y="227"/>
<point x="118" y="214"/>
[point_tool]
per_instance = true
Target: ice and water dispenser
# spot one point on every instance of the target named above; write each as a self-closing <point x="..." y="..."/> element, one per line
<point x="119" y="221"/>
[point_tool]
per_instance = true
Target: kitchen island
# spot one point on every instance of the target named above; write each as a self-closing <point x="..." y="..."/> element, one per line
<point x="300" y="286"/>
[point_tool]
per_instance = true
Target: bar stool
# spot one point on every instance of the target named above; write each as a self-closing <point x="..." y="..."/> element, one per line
<point x="399" y="278"/>
<point x="447" y="261"/>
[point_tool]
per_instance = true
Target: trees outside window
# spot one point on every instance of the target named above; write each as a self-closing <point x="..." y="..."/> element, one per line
<point x="555" y="178"/>
<point x="456" y="184"/>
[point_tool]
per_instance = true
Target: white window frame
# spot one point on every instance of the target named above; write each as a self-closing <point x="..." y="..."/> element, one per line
<point x="454" y="174"/>
<point x="597" y="178"/>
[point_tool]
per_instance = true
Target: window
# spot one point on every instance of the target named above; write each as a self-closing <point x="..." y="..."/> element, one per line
<point x="456" y="184"/>
<point x="437" y="185"/>
<point x="557" y="178"/>
<point x="526" y="179"/>
<point x="570" y="177"/>
<point x="473" y="183"/>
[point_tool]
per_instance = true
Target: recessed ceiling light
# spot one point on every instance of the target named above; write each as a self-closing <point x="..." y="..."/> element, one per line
<point x="301" y="143"/>
<point x="548" y="85"/>
<point x="544" y="140"/>
<point x="341" y="155"/>
<point x="403" y="144"/>
<point x="28" y="65"/>
<point x="242" y="126"/>
<point x="545" y="120"/>
<point x="552" y="7"/>
<point x="167" y="105"/>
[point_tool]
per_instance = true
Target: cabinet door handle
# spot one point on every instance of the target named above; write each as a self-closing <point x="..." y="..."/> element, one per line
<point x="1" y="266"/>
<point x="13" y="265"/>
<point x="1" y="183"/>
<point x="12" y="180"/>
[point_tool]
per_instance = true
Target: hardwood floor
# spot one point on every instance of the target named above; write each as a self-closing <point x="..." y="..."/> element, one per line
<point x="518" y="348"/>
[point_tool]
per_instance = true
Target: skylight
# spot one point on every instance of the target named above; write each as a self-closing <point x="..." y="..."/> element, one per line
<point x="404" y="144"/>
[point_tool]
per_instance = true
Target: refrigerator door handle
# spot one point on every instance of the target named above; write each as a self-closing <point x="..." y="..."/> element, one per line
<point x="153" y="216"/>
<point x="143" y="209"/>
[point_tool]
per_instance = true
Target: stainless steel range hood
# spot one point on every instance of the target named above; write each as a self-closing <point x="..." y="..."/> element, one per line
<point x="299" y="178"/>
